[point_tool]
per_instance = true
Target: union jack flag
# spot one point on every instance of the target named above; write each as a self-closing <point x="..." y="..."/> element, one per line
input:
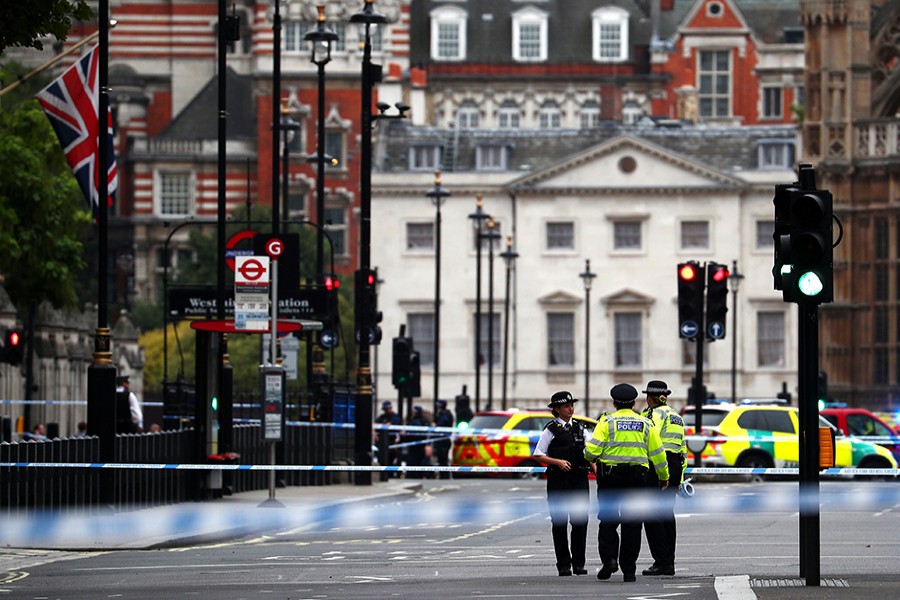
<point x="71" y="103"/>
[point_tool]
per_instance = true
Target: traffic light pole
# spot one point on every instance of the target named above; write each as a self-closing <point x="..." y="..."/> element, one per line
<point x="697" y="389"/>
<point x="808" y="380"/>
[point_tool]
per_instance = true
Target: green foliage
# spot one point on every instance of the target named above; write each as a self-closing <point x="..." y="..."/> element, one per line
<point x="24" y="23"/>
<point x="42" y="211"/>
<point x="146" y="315"/>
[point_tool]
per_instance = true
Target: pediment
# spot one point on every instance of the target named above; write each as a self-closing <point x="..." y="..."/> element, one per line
<point x="560" y="297"/>
<point x="629" y="297"/>
<point x="625" y="163"/>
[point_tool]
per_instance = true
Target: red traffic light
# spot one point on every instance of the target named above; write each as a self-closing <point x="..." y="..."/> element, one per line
<point x="687" y="272"/>
<point x="14" y="338"/>
<point x="720" y="274"/>
<point x="370" y="278"/>
<point x="332" y="283"/>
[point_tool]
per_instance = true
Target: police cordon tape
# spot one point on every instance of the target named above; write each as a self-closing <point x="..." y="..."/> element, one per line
<point x="218" y="520"/>
<point x="830" y="472"/>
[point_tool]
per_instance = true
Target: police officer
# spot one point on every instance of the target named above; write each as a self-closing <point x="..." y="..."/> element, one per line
<point x="625" y="446"/>
<point x="561" y="448"/>
<point x="670" y="426"/>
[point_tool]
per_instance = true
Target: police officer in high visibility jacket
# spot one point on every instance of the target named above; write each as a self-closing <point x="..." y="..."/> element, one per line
<point x="670" y="425"/>
<point x="625" y="447"/>
<point x="561" y="448"/>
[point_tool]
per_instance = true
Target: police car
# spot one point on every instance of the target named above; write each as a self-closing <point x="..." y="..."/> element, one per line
<point x="509" y="441"/>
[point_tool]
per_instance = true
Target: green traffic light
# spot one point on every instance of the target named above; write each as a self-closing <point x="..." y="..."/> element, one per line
<point x="810" y="284"/>
<point x="215" y="403"/>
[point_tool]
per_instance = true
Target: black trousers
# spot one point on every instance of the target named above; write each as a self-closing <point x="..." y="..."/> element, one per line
<point x="661" y="532"/>
<point x="612" y="484"/>
<point x="568" y="496"/>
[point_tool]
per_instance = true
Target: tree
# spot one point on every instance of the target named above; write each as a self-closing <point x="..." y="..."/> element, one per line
<point x="25" y="23"/>
<point x="42" y="211"/>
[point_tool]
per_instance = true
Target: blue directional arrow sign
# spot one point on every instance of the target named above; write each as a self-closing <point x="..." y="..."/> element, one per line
<point x="689" y="329"/>
<point x="716" y="330"/>
<point x="328" y="339"/>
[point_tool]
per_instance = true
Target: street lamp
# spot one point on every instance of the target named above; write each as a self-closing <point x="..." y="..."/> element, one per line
<point x="491" y="235"/>
<point x="588" y="278"/>
<point x="437" y="195"/>
<point x="509" y="256"/>
<point x="321" y="38"/>
<point x="478" y="217"/>
<point x="734" y="282"/>
<point x="371" y="74"/>
<point x="276" y="102"/>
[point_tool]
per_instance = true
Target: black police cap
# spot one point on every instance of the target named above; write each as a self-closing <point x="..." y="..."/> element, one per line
<point x="623" y="393"/>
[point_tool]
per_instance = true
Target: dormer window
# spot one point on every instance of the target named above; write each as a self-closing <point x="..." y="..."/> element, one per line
<point x="610" y="29"/>
<point x="529" y="35"/>
<point x="448" y="33"/>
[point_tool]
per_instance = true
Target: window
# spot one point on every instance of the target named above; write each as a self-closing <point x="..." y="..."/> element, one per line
<point x="529" y="35"/>
<point x="628" y="340"/>
<point x="767" y="420"/>
<point x="627" y="235"/>
<point x="589" y="115"/>
<point x="772" y="102"/>
<point x="610" y="34"/>
<point x="340" y="44"/>
<point x="420" y="236"/>
<point x="376" y="36"/>
<point x="490" y="328"/>
<point x="508" y="115"/>
<point x="292" y="39"/>
<point x="549" y="115"/>
<point x="334" y="147"/>
<point x="296" y="204"/>
<point x="775" y="154"/>
<point x="175" y="194"/>
<point x="336" y="226"/>
<point x="862" y="424"/>
<point x="561" y="236"/>
<point x="424" y="157"/>
<point x="448" y="33"/>
<point x="694" y="235"/>
<point x="490" y="157"/>
<point x="468" y="115"/>
<point x="765" y="229"/>
<point x="770" y="339"/>
<point x="421" y="330"/>
<point x="714" y="73"/>
<point x="561" y="340"/>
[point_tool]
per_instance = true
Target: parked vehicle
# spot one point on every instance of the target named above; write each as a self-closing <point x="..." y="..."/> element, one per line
<point x="502" y="449"/>
<point x="859" y="422"/>
<point x="766" y="436"/>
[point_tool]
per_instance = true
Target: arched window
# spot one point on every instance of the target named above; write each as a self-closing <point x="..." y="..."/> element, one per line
<point x="529" y="35"/>
<point x="448" y="33"/>
<point x="610" y="28"/>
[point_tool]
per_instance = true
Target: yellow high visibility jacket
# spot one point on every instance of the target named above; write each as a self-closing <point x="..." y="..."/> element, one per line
<point x="670" y="426"/>
<point x="626" y="438"/>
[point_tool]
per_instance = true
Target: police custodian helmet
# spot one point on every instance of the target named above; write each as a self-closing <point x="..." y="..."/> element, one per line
<point x="560" y="398"/>
<point x="657" y="388"/>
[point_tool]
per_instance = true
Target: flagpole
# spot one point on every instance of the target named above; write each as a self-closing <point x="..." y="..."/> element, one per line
<point x="19" y="81"/>
<point x="102" y="372"/>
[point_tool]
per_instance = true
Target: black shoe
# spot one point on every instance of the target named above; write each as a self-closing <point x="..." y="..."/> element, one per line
<point x="655" y="570"/>
<point x="607" y="570"/>
<point x="629" y="578"/>
<point x="579" y="570"/>
<point x="565" y="573"/>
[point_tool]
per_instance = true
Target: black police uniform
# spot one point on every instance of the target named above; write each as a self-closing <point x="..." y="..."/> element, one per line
<point x="568" y="494"/>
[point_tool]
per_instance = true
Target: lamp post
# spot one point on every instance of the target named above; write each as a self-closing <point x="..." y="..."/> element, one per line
<point x="478" y="217"/>
<point x="288" y="127"/>
<point x="276" y="103"/>
<point x="588" y="278"/>
<point x="734" y="282"/>
<point x="509" y="256"/>
<point x="321" y="37"/>
<point x="437" y="195"/>
<point x="491" y="235"/>
<point x="371" y="74"/>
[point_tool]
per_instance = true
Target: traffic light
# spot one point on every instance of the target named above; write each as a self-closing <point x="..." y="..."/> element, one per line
<point x="400" y="365"/>
<point x="811" y="277"/>
<point x="782" y="234"/>
<point x="366" y="307"/>
<point x="328" y="337"/>
<point x="463" y="412"/>
<point x="414" y="387"/>
<point x="716" y="300"/>
<point x="690" y="299"/>
<point x="12" y="350"/>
